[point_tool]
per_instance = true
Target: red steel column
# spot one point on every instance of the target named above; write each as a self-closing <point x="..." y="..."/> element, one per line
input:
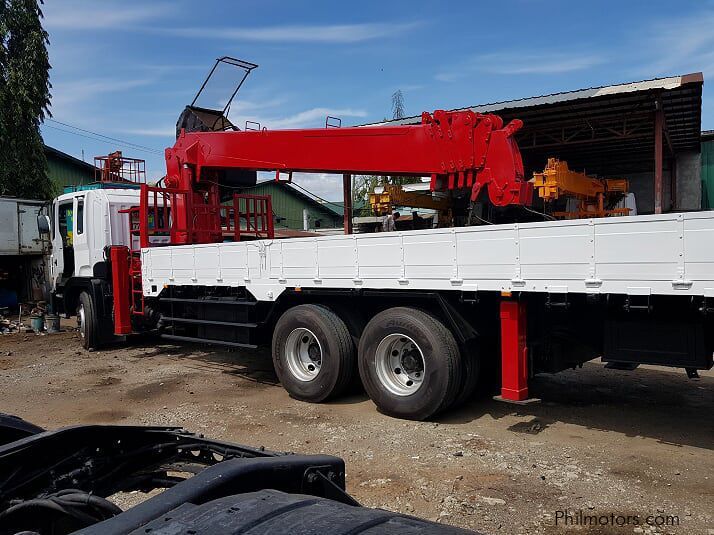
<point x="347" y="198"/>
<point x="514" y="352"/>
<point x="120" y="288"/>
<point x="659" y="128"/>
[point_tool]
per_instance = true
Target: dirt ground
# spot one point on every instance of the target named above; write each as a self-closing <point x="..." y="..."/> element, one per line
<point x="600" y="443"/>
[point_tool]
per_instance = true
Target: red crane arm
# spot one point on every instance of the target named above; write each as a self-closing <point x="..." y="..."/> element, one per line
<point x="458" y="150"/>
<point x="461" y="150"/>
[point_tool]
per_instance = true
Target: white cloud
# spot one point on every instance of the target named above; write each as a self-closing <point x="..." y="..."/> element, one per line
<point x="314" y="117"/>
<point x="161" y="131"/>
<point x="94" y="15"/>
<point x="679" y="45"/>
<point x="69" y="97"/>
<point x="241" y="105"/>
<point x="329" y="33"/>
<point x="514" y="63"/>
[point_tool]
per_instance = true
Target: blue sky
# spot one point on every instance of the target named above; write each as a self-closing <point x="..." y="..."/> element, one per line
<point x="125" y="69"/>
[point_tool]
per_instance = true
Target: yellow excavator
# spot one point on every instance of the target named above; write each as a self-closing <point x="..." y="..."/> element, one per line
<point x="597" y="196"/>
<point x="392" y="195"/>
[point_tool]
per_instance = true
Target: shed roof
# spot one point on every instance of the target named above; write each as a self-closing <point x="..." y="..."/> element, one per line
<point x="606" y="129"/>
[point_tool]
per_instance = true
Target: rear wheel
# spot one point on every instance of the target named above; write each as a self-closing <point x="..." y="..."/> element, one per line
<point x="470" y="378"/>
<point x="355" y="321"/>
<point x="409" y="363"/>
<point x="313" y="353"/>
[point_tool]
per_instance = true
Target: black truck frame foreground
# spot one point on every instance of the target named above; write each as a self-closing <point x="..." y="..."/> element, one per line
<point x="58" y="482"/>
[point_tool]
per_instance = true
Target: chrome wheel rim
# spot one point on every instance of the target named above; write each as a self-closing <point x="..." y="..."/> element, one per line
<point x="81" y="322"/>
<point x="303" y="354"/>
<point x="400" y="364"/>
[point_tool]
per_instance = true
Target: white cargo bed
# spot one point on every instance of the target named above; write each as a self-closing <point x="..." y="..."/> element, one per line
<point x="657" y="254"/>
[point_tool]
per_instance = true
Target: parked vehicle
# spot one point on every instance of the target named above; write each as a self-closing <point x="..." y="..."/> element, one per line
<point x="58" y="482"/>
<point x="22" y="252"/>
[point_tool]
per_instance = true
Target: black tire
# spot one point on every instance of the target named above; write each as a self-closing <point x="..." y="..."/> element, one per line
<point x="470" y="377"/>
<point x="442" y="374"/>
<point x="356" y="322"/>
<point x="90" y="329"/>
<point x="270" y="511"/>
<point x="335" y="345"/>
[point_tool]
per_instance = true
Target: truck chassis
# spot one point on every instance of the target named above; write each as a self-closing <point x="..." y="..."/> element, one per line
<point x="421" y="315"/>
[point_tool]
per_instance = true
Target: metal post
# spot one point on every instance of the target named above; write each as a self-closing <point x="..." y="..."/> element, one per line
<point x="514" y="352"/>
<point x="347" y="198"/>
<point x="659" y="128"/>
<point x="305" y="219"/>
<point x="673" y="177"/>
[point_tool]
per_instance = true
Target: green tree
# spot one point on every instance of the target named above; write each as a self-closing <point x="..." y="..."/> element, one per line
<point x="24" y="100"/>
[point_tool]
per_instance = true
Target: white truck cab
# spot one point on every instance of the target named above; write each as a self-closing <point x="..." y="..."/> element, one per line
<point x="84" y="224"/>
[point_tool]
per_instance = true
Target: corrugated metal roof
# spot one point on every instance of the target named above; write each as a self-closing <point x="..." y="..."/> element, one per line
<point x="606" y="130"/>
<point x="668" y="83"/>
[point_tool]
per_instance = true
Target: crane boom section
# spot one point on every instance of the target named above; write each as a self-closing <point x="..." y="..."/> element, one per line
<point x="461" y="151"/>
<point x="458" y="150"/>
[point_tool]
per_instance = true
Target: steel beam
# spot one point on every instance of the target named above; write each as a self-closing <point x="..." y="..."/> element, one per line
<point x="347" y="198"/>
<point x="659" y="131"/>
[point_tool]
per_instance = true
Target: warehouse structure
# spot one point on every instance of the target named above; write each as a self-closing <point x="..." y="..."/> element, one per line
<point x="647" y="132"/>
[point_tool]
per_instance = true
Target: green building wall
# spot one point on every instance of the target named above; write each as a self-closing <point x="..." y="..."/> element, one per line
<point x="65" y="170"/>
<point x="288" y="206"/>
<point x="708" y="173"/>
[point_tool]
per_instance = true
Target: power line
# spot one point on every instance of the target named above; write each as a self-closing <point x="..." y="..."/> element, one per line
<point x="105" y="138"/>
<point x="336" y="204"/>
<point x="93" y="138"/>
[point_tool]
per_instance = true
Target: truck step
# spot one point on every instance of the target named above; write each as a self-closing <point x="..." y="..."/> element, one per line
<point x="209" y="322"/>
<point x="207" y="341"/>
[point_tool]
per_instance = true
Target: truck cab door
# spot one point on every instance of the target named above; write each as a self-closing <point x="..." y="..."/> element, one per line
<point x="62" y="258"/>
<point x="82" y="261"/>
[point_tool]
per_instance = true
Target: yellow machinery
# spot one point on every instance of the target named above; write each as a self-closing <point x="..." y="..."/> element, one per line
<point x="394" y="195"/>
<point x="595" y="194"/>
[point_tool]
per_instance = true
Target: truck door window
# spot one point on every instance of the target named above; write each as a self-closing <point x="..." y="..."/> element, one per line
<point x="80" y="215"/>
<point x="65" y="217"/>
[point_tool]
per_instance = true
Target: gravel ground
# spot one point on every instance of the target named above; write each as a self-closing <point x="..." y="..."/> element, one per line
<point x="600" y="442"/>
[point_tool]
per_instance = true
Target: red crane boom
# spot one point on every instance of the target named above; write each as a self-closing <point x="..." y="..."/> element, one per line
<point x="459" y="150"/>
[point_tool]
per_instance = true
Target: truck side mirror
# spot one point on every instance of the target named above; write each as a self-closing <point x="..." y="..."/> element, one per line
<point x="43" y="224"/>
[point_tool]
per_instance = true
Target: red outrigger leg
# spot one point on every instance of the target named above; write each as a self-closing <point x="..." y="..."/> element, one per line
<point x="514" y="352"/>
<point x="120" y="286"/>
